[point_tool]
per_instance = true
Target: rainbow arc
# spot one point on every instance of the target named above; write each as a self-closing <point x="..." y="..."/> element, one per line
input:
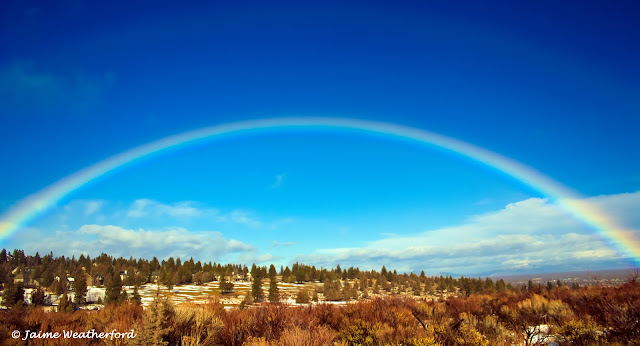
<point x="620" y="238"/>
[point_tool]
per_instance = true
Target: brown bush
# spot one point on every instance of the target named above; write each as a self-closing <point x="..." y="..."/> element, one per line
<point x="592" y="315"/>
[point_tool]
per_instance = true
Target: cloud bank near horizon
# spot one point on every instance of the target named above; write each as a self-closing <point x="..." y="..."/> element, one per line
<point x="529" y="235"/>
<point x="532" y="235"/>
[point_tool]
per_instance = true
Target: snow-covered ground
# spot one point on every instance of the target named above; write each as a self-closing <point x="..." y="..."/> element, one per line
<point x="198" y="294"/>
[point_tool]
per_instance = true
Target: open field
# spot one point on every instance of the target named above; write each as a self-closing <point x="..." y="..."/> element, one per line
<point x="199" y="293"/>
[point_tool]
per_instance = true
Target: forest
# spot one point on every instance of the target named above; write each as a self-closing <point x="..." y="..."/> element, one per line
<point x="376" y="307"/>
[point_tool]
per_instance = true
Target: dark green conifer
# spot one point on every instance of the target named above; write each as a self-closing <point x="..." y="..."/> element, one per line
<point x="274" y="293"/>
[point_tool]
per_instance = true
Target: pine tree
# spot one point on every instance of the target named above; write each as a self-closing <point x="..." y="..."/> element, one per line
<point x="272" y="271"/>
<point x="154" y="325"/>
<point x="135" y="297"/>
<point x="225" y="286"/>
<point x="47" y="277"/>
<point x="37" y="297"/>
<point x="248" y="300"/>
<point x="80" y="287"/>
<point x="198" y="278"/>
<point x="348" y="292"/>
<point x="65" y="305"/>
<point x="168" y="278"/>
<point x="416" y="288"/>
<point x="302" y="297"/>
<point x="113" y="289"/>
<point x="13" y="295"/>
<point x="130" y="279"/>
<point x="58" y="286"/>
<point x="489" y="285"/>
<point x="501" y="286"/>
<point x="274" y="293"/>
<point x="256" y="287"/>
<point x="332" y="289"/>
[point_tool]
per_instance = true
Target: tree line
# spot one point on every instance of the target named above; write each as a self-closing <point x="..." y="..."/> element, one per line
<point x="52" y="274"/>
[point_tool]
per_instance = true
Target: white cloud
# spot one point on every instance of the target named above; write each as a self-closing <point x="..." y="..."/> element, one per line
<point x="91" y="207"/>
<point x="599" y="253"/>
<point x="148" y="207"/>
<point x="526" y="235"/>
<point x="622" y="207"/>
<point x="529" y="235"/>
<point x="498" y="254"/>
<point x="520" y="263"/>
<point x="118" y="241"/>
<point x="243" y="217"/>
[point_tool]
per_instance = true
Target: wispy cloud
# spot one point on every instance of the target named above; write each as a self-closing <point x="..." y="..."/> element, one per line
<point x="91" y="207"/>
<point x="278" y="180"/>
<point x="259" y="259"/>
<point x="149" y="213"/>
<point x="520" y="263"/>
<point x="243" y="217"/>
<point x="281" y="222"/>
<point x="288" y="243"/>
<point x="148" y="207"/>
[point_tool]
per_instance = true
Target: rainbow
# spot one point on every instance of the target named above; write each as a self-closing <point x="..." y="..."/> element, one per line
<point x="620" y="238"/>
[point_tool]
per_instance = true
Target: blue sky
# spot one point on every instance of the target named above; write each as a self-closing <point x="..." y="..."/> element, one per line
<point x="552" y="85"/>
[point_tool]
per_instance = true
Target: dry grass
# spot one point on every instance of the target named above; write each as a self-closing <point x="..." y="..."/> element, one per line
<point x="594" y="315"/>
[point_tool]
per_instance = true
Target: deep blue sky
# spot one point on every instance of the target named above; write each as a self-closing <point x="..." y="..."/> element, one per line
<point x="554" y="85"/>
